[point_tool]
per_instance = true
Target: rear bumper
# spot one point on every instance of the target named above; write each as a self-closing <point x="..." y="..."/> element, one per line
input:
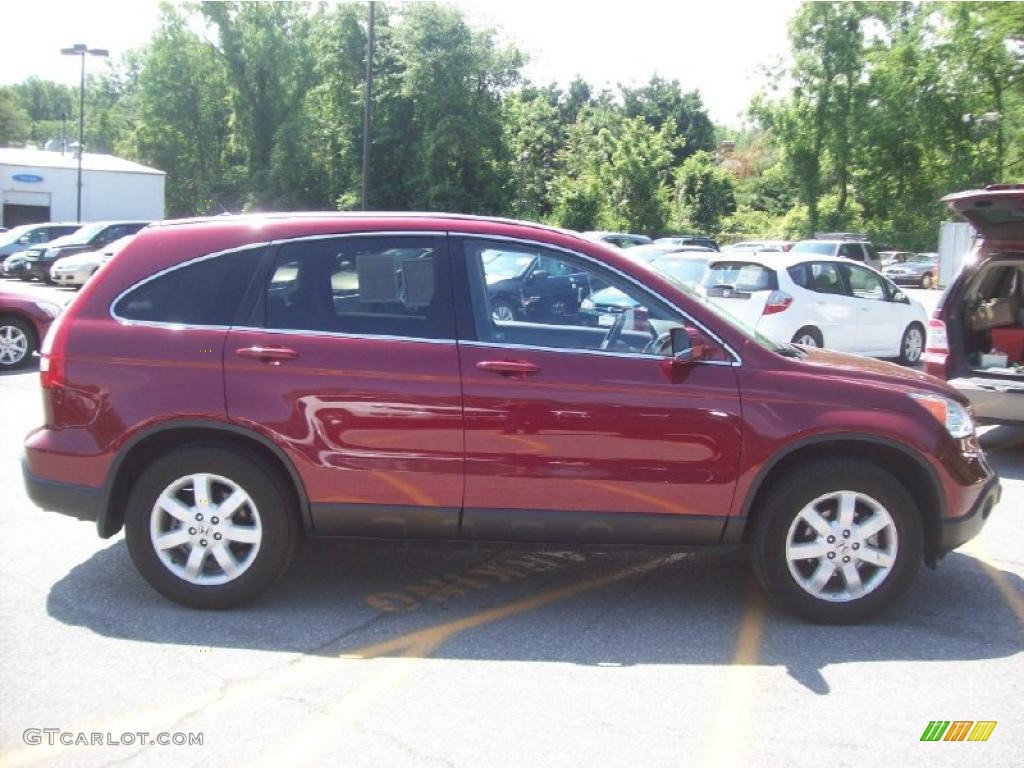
<point x="78" y="501"/>
<point x="959" y="530"/>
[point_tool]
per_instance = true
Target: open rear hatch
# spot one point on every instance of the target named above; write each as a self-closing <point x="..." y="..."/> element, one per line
<point x="996" y="212"/>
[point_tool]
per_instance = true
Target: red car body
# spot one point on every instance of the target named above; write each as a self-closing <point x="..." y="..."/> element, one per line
<point x="417" y="439"/>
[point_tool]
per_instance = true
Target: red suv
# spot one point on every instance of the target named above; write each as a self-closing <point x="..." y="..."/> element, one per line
<point x="976" y="336"/>
<point x="224" y="385"/>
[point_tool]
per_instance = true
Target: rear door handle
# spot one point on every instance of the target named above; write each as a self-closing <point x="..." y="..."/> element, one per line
<point x="268" y="354"/>
<point x="508" y="367"/>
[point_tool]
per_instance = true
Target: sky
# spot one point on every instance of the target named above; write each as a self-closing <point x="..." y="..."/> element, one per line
<point x="716" y="47"/>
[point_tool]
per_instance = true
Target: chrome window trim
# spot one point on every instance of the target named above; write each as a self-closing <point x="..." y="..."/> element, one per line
<point x="261" y="244"/>
<point x="338" y="335"/>
<point x="571" y="351"/>
<point x="737" y="360"/>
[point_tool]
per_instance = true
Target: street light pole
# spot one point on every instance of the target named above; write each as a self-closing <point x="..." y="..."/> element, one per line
<point x="80" y="49"/>
<point x="367" y="105"/>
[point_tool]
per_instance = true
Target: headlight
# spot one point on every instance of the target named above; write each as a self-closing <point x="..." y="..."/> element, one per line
<point x="953" y="416"/>
<point x="587" y="304"/>
<point x="49" y="308"/>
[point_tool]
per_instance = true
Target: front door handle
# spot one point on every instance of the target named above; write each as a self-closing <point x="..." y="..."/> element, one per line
<point x="268" y="354"/>
<point x="509" y="367"/>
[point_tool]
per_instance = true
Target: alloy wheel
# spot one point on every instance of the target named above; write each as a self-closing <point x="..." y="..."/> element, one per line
<point x="13" y="345"/>
<point x="841" y="546"/>
<point x="913" y="344"/>
<point x="205" y="529"/>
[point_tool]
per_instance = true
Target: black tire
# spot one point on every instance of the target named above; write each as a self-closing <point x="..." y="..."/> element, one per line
<point x="32" y="343"/>
<point x="783" y="504"/>
<point x="272" y="498"/>
<point x="910" y="354"/>
<point x="811" y="333"/>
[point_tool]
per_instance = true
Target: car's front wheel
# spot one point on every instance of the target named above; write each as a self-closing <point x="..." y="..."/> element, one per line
<point x="837" y="540"/>
<point x="210" y="527"/>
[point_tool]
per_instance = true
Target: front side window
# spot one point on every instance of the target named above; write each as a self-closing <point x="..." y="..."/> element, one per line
<point x="204" y="293"/>
<point x="864" y="284"/>
<point x="375" y="286"/>
<point x="565" y="302"/>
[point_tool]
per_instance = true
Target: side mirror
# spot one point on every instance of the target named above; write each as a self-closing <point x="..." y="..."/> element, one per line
<point x="901" y="297"/>
<point x="686" y="349"/>
<point x="540" y="274"/>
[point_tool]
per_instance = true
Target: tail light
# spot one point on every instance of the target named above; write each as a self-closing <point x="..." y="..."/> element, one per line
<point x="52" y="353"/>
<point x="777" y="302"/>
<point x="936" y="354"/>
<point x="938" y="340"/>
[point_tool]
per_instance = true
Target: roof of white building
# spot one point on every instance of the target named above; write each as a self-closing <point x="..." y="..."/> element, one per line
<point x="38" y="158"/>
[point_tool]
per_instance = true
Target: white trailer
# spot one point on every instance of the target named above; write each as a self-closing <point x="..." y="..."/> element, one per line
<point x="956" y="239"/>
<point x="38" y="185"/>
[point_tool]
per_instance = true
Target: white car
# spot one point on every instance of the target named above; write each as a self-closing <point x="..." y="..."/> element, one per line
<point x="76" y="270"/>
<point x="818" y="301"/>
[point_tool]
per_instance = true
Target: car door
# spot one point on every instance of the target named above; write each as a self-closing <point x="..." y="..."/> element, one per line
<point x="834" y="312"/>
<point x="878" y="320"/>
<point x="578" y="433"/>
<point x="349" y="362"/>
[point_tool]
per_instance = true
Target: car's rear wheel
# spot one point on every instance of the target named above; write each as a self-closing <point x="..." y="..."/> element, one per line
<point x="808" y="336"/>
<point x="912" y="344"/>
<point x="927" y="280"/>
<point x="17" y="342"/>
<point x="837" y="540"/>
<point x="209" y="527"/>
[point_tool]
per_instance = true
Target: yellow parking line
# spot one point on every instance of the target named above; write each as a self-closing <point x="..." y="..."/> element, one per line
<point x="726" y="744"/>
<point x="414" y="645"/>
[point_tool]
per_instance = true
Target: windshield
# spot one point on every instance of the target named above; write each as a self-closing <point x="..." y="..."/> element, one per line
<point x="11" y="236"/>
<point x="84" y="235"/>
<point x="822" y="249"/>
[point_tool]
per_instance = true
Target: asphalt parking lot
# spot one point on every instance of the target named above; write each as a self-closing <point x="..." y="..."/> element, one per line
<point x="379" y="657"/>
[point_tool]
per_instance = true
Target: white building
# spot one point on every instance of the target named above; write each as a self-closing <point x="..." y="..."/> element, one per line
<point x="37" y="185"/>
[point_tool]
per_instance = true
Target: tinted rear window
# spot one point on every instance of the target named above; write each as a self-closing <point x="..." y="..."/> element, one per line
<point x="207" y="292"/>
<point x="741" y="276"/>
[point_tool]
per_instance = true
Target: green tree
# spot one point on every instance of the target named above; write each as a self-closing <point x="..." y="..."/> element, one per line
<point x="660" y="103"/>
<point x="185" y="131"/>
<point x="14" y="122"/>
<point x="705" y="193"/>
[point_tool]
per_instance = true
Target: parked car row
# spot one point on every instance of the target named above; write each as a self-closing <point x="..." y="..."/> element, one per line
<point x="40" y="251"/>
